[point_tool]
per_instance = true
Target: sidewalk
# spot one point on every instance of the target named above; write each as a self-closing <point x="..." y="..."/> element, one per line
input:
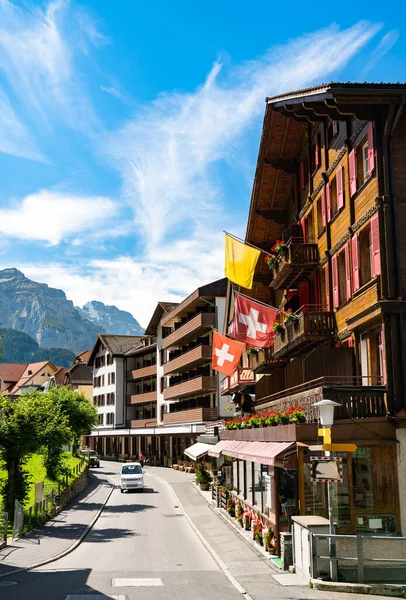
<point x="253" y="572"/>
<point x="61" y="532"/>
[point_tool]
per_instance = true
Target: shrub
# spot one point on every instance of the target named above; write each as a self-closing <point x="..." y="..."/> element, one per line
<point x="202" y="474"/>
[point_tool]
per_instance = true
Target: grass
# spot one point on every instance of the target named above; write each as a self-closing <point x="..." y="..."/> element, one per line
<point x="35" y="466"/>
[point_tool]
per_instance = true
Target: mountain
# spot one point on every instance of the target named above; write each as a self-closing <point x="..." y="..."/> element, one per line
<point x="18" y="347"/>
<point x="46" y="315"/>
<point x="110" y="318"/>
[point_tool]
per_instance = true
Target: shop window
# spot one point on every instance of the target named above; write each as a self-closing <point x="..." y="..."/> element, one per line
<point x="257" y="484"/>
<point x="249" y="485"/>
<point x="267" y="489"/>
<point x="235" y="475"/>
<point x="363" y="479"/>
<point x="241" y="478"/>
<point x="365" y="255"/>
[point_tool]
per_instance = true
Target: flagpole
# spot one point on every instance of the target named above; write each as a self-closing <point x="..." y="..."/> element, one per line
<point x="246" y="243"/>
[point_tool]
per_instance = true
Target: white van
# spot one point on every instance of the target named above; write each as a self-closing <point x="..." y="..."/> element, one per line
<point x="132" y="477"/>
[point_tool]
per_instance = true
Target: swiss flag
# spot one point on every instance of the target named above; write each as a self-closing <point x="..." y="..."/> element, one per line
<point x="253" y="322"/>
<point x="226" y="354"/>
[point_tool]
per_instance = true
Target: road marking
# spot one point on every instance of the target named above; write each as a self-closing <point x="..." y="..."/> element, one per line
<point x="7" y="583"/>
<point x="95" y="597"/>
<point x="137" y="582"/>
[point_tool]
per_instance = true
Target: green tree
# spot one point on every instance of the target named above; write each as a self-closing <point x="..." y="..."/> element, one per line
<point x="19" y="438"/>
<point x="72" y="416"/>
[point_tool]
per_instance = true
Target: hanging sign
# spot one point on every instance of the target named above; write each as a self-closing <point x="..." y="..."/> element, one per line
<point x="326" y="469"/>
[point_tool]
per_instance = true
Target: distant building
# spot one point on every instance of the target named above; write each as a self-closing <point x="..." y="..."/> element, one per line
<point x="16" y="379"/>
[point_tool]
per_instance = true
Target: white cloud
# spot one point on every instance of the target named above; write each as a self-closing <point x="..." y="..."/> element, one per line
<point x="166" y="151"/>
<point x="37" y="51"/>
<point x="50" y="217"/>
<point x="386" y="43"/>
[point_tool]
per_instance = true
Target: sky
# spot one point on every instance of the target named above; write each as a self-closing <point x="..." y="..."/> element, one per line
<point x="129" y="130"/>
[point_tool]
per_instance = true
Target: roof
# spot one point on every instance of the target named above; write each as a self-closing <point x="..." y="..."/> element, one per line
<point x="161" y="309"/>
<point x="30" y="372"/>
<point x="82" y="357"/>
<point x="11" y="372"/>
<point x="211" y="290"/>
<point x="79" y="374"/>
<point x="117" y="345"/>
<point x="59" y="375"/>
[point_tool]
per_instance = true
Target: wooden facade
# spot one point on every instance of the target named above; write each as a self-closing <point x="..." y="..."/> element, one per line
<point x="330" y="185"/>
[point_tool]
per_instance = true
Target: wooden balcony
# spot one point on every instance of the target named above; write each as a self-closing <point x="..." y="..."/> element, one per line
<point x="203" y="384"/>
<point x="142" y="372"/>
<point x="199" y="355"/>
<point x="141" y="398"/>
<point x="194" y="415"/>
<point x="265" y="362"/>
<point x="141" y="423"/>
<point x="309" y="329"/>
<point x="296" y="264"/>
<point x="196" y="325"/>
<point x="240" y="378"/>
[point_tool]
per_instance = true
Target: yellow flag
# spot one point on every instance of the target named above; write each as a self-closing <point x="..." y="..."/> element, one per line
<point x="240" y="262"/>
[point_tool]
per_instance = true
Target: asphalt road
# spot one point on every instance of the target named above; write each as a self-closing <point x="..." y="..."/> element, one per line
<point x="142" y="547"/>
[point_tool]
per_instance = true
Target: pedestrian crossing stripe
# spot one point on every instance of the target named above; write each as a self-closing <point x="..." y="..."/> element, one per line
<point x="137" y="582"/>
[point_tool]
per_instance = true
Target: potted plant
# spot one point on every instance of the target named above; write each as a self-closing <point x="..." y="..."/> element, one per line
<point x="277" y="327"/>
<point x="279" y="247"/>
<point x="290" y="317"/>
<point x="268" y="537"/>
<point x="247" y="518"/>
<point x="271" y="260"/>
<point x="231" y="509"/>
<point x="296" y="414"/>
<point x="203" y="478"/>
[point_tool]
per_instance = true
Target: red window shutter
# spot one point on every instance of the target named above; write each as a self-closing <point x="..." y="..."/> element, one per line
<point x="302" y="175"/>
<point x="335" y="128"/>
<point x="352" y="169"/>
<point x="340" y="187"/>
<point x="323" y="207"/>
<point x="304" y="295"/>
<point x="317" y="151"/>
<point x="376" y="251"/>
<point x="304" y="225"/>
<point x="355" y="263"/>
<point x="328" y="202"/>
<point x="347" y="270"/>
<point x="334" y="273"/>
<point x="371" y="148"/>
<point x="351" y="342"/>
<point x="327" y="286"/>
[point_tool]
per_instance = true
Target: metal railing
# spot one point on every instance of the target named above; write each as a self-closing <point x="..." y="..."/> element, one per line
<point x="359" y="559"/>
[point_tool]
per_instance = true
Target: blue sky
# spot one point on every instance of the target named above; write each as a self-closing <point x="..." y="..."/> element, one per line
<point x="129" y="130"/>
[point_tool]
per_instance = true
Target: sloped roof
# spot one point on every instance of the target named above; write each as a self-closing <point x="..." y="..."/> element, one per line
<point x="211" y="290"/>
<point x="80" y="374"/>
<point x="161" y="309"/>
<point x="117" y="345"/>
<point x="59" y="375"/>
<point x="10" y="372"/>
<point x="30" y="372"/>
<point x="83" y="357"/>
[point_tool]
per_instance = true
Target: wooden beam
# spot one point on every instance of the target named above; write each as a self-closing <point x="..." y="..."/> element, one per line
<point x="287" y="166"/>
<point x="277" y="216"/>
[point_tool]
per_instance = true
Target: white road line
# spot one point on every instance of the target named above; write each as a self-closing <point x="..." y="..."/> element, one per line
<point x="137" y="582"/>
<point x="95" y="597"/>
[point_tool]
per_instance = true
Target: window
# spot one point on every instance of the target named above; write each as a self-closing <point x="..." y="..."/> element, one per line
<point x="363" y="479"/>
<point x="331" y="132"/>
<point x="257" y="484"/>
<point x="267" y="489"/>
<point x="113" y="378"/>
<point x="365" y="255"/>
<point x="361" y="161"/>
<point x="316" y="153"/>
<point x="333" y="198"/>
<point x="342" y="292"/>
<point x="250" y="487"/>
<point x="320" y="226"/>
<point x="235" y="474"/>
<point x="113" y="398"/>
<point x="364" y="158"/>
<point x="101" y="419"/>
<point x="241" y="478"/>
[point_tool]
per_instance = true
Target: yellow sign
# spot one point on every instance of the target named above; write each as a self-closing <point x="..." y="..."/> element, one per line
<point x="339" y="447"/>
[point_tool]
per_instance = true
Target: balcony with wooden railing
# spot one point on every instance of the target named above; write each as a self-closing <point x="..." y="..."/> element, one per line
<point x="241" y="378"/>
<point x="359" y="397"/>
<point x="193" y="415"/>
<point x="199" y="323"/>
<point x="263" y="361"/>
<point x="202" y="384"/>
<point x="141" y="423"/>
<point x="141" y="372"/>
<point x="294" y="264"/>
<point x="191" y="358"/>
<point x="307" y="329"/>
<point x="142" y="397"/>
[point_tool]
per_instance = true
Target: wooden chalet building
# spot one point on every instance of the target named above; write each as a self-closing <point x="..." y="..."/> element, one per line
<point x="330" y="185"/>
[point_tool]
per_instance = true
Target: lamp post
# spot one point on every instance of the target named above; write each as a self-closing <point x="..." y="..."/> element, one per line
<point x="326" y="408"/>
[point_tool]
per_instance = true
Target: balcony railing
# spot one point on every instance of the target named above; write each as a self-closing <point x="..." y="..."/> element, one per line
<point x="142" y="397"/>
<point x="360" y="397"/>
<point x="295" y="264"/>
<point x="200" y="354"/>
<point x="203" y="384"/>
<point x="264" y="361"/>
<point x="197" y="324"/>
<point x="305" y="331"/>
<point x="141" y="423"/>
<point x="142" y="372"/>
<point x="194" y="415"/>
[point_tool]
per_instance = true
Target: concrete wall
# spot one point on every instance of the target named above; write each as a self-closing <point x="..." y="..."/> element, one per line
<point x="401" y="437"/>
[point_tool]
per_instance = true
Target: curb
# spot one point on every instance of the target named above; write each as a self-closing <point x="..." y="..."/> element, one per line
<point x="377" y="589"/>
<point x="68" y="550"/>
<point x="222" y="565"/>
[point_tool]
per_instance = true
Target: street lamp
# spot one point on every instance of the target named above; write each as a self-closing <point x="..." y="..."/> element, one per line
<point x="326" y="408"/>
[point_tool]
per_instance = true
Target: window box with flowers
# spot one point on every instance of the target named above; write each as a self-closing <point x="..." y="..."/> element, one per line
<point x="277" y="327"/>
<point x="290" y="317"/>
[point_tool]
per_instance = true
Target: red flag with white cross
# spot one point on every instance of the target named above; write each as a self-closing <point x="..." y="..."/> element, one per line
<point x="226" y="354"/>
<point x="253" y="322"/>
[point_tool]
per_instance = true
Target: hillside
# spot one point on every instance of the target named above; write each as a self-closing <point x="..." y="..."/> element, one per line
<point x="18" y="347"/>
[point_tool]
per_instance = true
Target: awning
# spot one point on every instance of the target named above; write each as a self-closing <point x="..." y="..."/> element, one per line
<point x="197" y="450"/>
<point x="264" y="453"/>
<point x="221" y="448"/>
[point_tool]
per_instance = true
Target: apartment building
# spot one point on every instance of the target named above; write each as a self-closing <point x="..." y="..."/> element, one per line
<point x="328" y="207"/>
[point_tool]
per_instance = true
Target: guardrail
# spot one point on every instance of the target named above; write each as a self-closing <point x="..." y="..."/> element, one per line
<point x="359" y="560"/>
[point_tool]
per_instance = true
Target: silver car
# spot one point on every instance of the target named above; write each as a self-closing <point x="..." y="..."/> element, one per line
<point x="132" y="477"/>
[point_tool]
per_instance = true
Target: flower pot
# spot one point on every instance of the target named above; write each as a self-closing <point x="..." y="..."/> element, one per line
<point x="204" y="486"/>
